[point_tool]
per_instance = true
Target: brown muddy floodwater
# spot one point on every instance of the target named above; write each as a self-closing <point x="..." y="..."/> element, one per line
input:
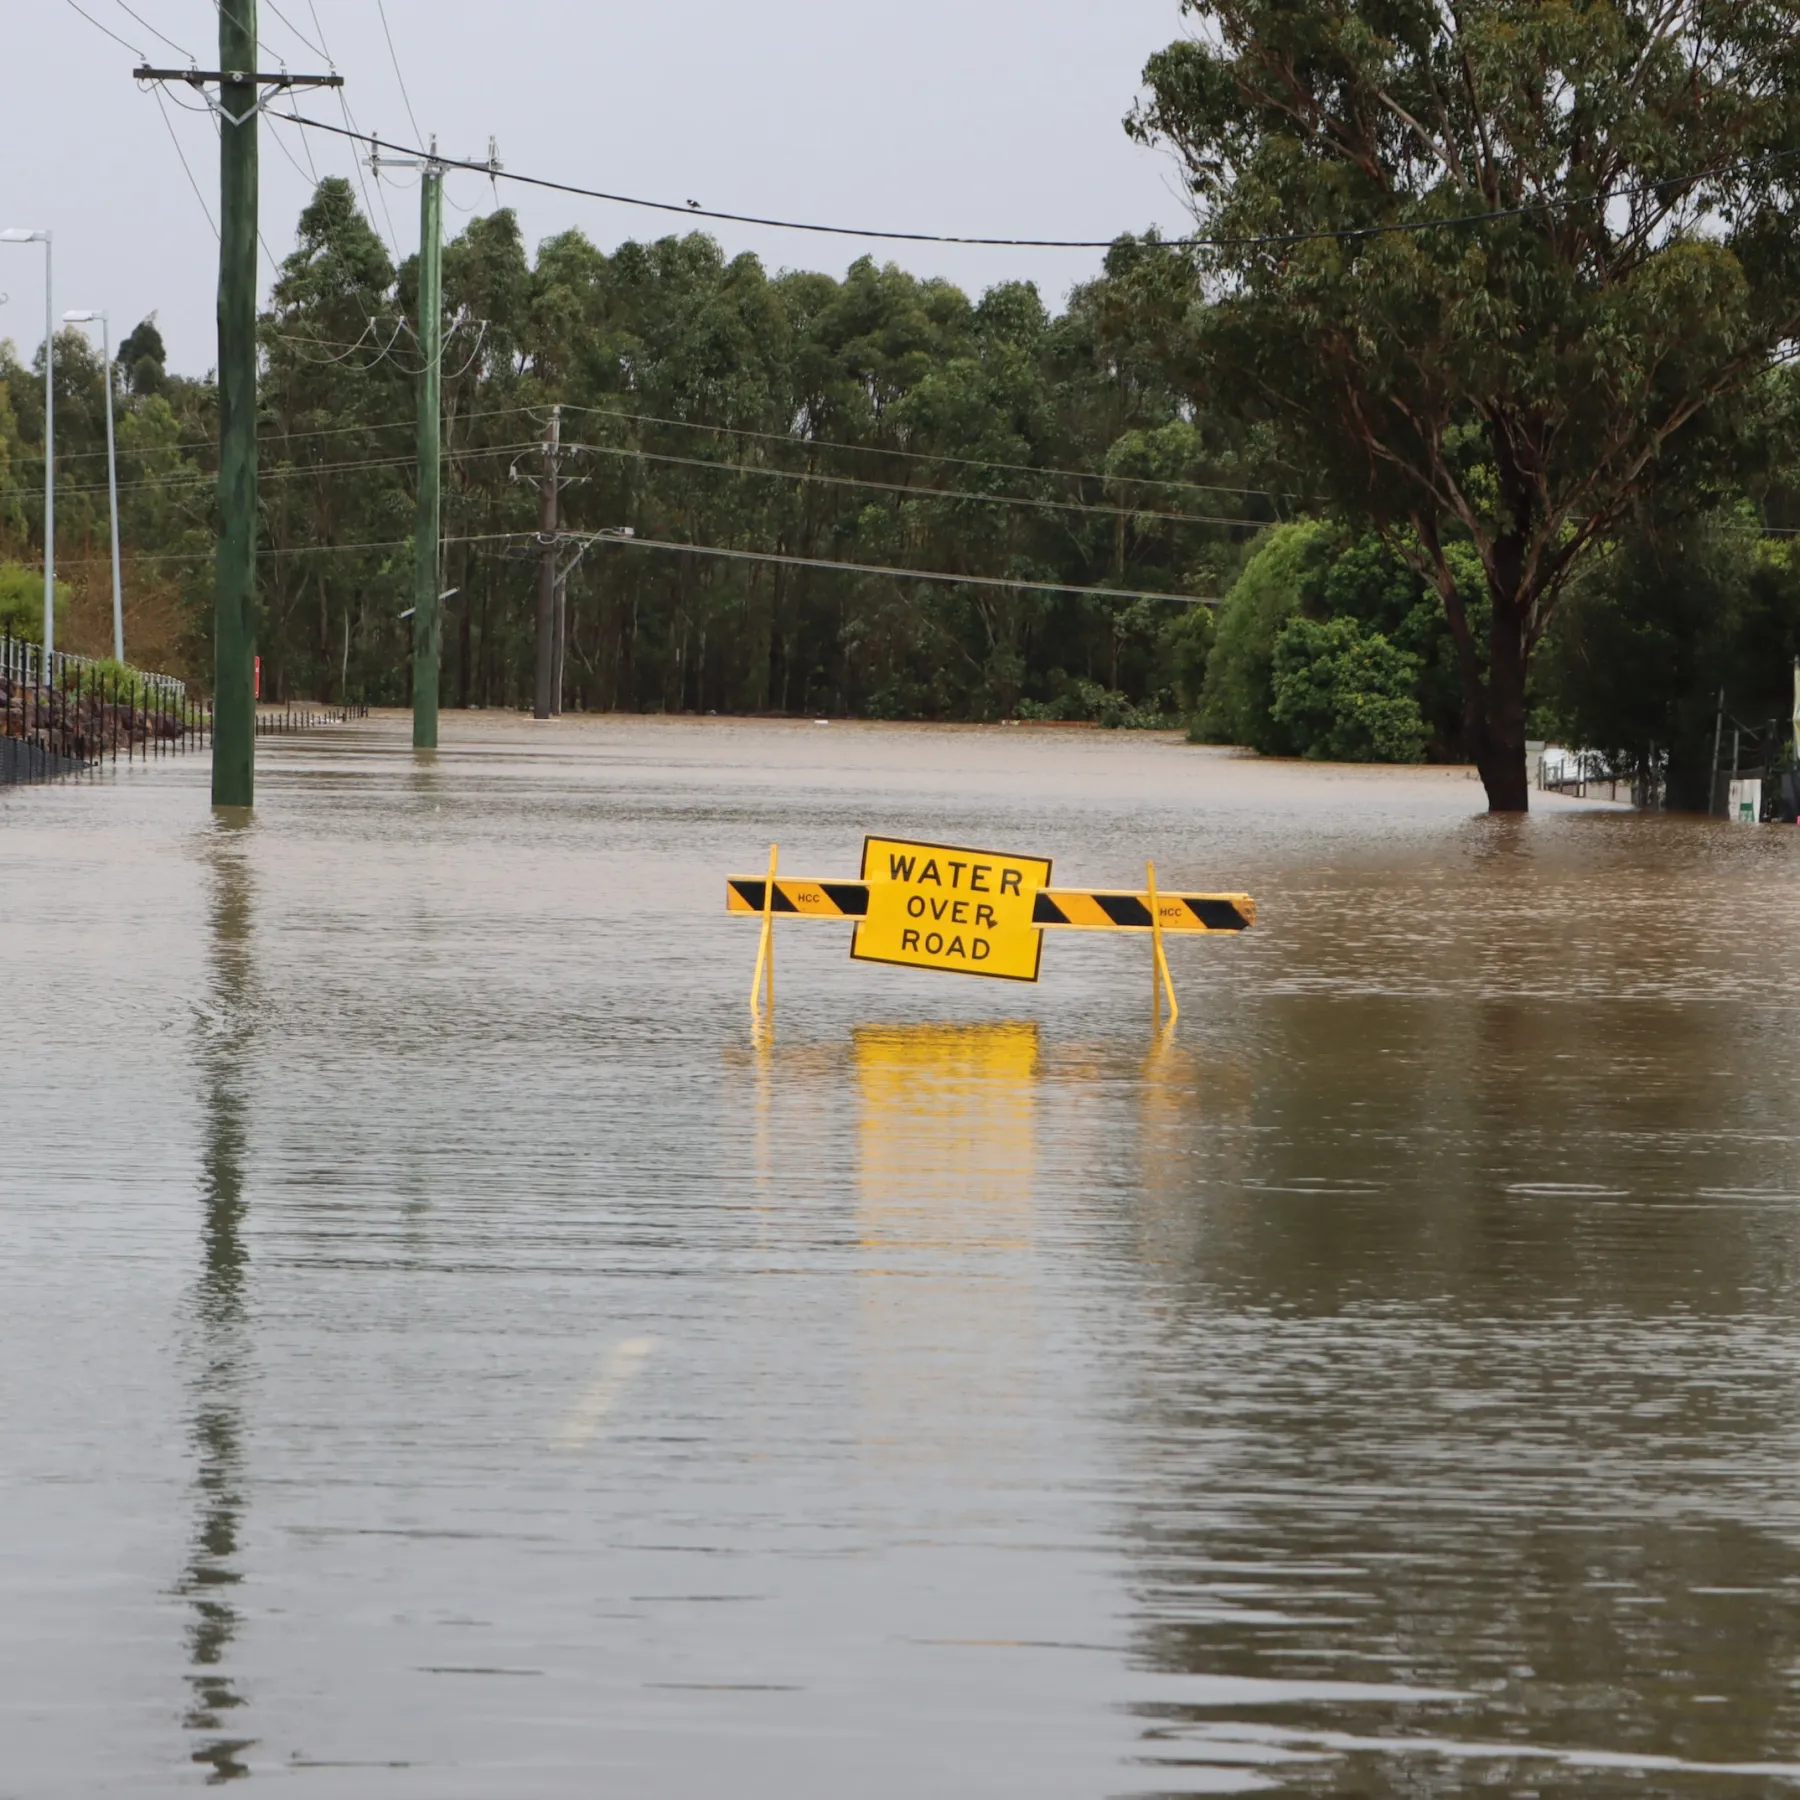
<point x="443" y="1355"/>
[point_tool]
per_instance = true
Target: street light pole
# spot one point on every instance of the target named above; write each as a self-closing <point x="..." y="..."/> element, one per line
<point x="112" y="471"/>
<point x="19" y="235"/>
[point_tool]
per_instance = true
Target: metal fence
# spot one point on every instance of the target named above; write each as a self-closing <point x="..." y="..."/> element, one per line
<point x="277" y="721"/>
<point x="60" y="714"/>
<point x="24" y="663"/>
<point x="70" y="715"/>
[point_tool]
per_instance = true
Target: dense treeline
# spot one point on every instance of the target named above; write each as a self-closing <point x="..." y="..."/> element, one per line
<point x="877" y="419"/>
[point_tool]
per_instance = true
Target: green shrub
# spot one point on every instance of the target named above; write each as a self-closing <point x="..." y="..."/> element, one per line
<point x="1187" y="647"/>
<point x="1084" y="701"/>
<point x="22" y="603"/>
<point x="1236" y="701"/>
<point x="115" y="681"/>
<point x="1345" y="695"/>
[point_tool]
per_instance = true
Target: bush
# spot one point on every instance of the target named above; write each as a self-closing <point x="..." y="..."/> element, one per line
<point x="1186" y="648"/>
<point x="1346" y="695"/>
<point x="1236" y="702"/>
<point x="113" y="681"/>
<point x="1650" y="632"/>
<point x="22" y="603"/>
<point x="1086" y="701"/>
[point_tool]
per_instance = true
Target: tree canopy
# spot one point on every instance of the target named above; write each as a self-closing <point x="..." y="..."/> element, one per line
<point x="1493" y="272"/>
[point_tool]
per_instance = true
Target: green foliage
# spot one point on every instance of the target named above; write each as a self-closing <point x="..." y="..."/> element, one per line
<point x="113" y="681"/>
<point x="880" y="418"/>
<point x="1237" y="699"/>
<point x="1653" y="631"/>
<point x="1524" y="385"/>
<point x="1346" y="695"/>
<point x="1187" y="647"/>
<point x="22" y="603"/>
<point x="1081" y="701"/>
<point x="143" y="359"/>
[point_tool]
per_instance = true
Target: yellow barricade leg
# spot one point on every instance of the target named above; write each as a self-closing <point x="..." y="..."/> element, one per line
<point x="765" y="948"/>
<point x="1159" y="961"/>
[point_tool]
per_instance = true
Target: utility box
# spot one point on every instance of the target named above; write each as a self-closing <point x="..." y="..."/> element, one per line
<point x="1743" y="803"/>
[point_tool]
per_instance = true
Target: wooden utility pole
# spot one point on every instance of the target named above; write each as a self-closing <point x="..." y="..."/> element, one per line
<point x="559" y="632"/>
<point x="545" y="698"/>
<point x="234" y="587"/>
<point x="427" y="530"/>
<point x="240" y="88"/>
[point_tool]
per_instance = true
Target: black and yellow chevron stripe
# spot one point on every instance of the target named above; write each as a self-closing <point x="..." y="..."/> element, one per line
<point x="1076" y="909"/>
<point x="1097" y="909"/>
<point x="808" y="899"/>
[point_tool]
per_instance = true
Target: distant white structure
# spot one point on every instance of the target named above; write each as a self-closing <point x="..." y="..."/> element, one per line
<point x="1743" y="802"/>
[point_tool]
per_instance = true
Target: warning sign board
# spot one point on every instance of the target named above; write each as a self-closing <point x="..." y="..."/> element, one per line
<point x="936" y="906"/>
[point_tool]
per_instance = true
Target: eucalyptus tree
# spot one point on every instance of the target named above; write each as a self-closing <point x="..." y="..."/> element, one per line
<point x="336" y="443"/>
<point x="1493" y="270"/>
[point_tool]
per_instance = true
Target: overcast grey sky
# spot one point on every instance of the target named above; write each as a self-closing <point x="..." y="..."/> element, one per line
<point x="983" y="117"/>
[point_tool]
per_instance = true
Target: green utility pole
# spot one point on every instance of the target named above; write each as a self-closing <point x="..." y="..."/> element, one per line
<point x="548" y="542"/>
<point x="234" y="604"/>
<point x="428" y="528"/>
<point x="240" y="85"/>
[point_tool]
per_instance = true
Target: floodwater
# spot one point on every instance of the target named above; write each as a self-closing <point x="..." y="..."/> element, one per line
<point x="445" y="1353"/>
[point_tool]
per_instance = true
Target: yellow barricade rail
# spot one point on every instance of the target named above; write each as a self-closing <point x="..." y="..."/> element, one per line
<point x="1108" y="909"/>
<point x="802" y="899"/>
<point x="1075" y="909"/>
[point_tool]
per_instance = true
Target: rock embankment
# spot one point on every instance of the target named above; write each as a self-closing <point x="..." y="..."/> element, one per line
<point x="86" y="719"/>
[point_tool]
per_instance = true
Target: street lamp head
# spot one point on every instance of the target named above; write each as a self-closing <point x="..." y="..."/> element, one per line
<point x="82" y="318"/>
<point x="17" y="234"/>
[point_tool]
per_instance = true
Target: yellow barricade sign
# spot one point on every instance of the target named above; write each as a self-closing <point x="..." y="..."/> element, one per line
<point x="935" y="906"/>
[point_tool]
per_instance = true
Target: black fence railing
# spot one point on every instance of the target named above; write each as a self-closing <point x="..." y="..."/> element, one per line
<point x="62" y="715"/>
<point x="276" y="721"/>
<point x="70" y="715"/>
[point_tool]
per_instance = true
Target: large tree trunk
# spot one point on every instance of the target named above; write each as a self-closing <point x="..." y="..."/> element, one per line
<point x="1500" y="745"/>
<point x="1493" y="698"/>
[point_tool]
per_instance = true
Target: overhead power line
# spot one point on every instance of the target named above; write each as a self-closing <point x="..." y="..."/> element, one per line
<point x="800" y="444"/>
<point x="135" y="51"/>
<point x="967" y="462"/>
<point x="177" y="48"/>
<point x="1263" y="240"/>
<point x="858" y="568"/>
<point x="394" y="58"/>
<point x="1197" y="241"/>
<point x="177" y="480"/>
<point x="318" y="49"/>
<point x="905" y="489"/>
<point x="1019" y="582"/>
<point x="283" y="471"/>
<point x="169" y="125"/>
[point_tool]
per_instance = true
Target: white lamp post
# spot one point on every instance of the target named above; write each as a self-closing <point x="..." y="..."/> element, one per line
<point x="112" y="471"/>
<point x="18" y="235"/>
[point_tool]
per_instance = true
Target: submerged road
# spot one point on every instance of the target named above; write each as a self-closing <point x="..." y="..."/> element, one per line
<point x="444" y="1354"/>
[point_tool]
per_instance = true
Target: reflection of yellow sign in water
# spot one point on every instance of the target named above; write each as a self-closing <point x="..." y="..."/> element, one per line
<point x="948" y="1352"/>
<point x="933" y="906"/>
